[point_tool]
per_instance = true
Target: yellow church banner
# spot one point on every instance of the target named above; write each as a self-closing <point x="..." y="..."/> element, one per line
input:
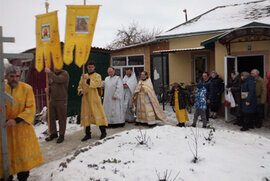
<point x="80" y="28"/>
<point x="47" y="41"/>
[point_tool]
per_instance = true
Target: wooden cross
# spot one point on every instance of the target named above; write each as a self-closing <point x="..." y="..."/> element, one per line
<point x="4" y="96"/>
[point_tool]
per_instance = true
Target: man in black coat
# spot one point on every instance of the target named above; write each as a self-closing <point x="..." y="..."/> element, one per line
<point x="234" y="86"/>
<point x="216" y="88"/>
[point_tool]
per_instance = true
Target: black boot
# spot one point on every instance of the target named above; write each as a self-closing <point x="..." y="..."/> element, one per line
<point x="87" y="134"/>
<point x="181" y="125"/>
<point x="245" y="126"/>
<point x="23" y="176"/>
<point x="10" y="178"/>
<point x="51" y="137"/>
<point x="60" y="139"/>
<point x="103" y="132"/>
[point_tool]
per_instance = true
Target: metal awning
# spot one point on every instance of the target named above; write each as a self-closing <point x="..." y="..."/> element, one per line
<point x="179" y="50"/>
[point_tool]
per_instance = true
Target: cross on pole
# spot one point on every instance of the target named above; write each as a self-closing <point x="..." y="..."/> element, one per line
<point x="4" y="96"/>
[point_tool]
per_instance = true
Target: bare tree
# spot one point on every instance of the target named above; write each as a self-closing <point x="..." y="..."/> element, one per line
<point x="194" y="149"/>
<point x="131" y="35"/>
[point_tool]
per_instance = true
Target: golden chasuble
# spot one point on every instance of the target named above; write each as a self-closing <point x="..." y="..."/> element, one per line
<point x="80" y="28"/>
<point x="47" y="41"/>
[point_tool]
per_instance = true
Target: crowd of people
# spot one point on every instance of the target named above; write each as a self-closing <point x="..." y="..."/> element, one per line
<point x="120" y="96"/>
<point x="250" y="94"/>
<point x="249" y="91"/>
<point x="123" y="99"/>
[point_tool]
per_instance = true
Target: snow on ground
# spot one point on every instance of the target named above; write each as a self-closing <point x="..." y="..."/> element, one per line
<point x="72" y="127"/>
<point x="230" y="155"/>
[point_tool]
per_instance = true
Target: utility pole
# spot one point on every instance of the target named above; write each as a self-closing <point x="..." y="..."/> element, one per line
<point x="4" y="96"/>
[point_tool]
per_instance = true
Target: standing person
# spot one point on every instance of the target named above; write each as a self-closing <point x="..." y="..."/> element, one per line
<point x="268" y="92"/>
<point x="23" y="147"/>
<point x="148" y="109"/>
<point x="58" y="83"/>
<point x="206" y="83"/>
<point x="234" y="86"/>
<point x="130" y="82"/>
<point x="216" y="88"/>
<point x="200" y="104"/>
<point x="92" y="111"/>
<point x="261" y="94"/>
<point x="248" y="100"/>
<point x="114" y="99"/>
<point x="180" y="104"/>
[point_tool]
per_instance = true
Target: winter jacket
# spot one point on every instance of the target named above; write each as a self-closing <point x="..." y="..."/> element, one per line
<point x="200" y="99"/>
<point x="206" y="84"/>
<point x="235" y="85"/>
<point x="248" y="85"/>
<point x="268" y="91"/>
<point x="261" y="91"/>
<point x="216" y="88"/>
<point x="59" y="85"/>
<point x="182" y="94"/>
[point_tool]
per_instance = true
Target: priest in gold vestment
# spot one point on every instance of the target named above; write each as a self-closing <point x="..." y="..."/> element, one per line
<point x="92" y="111"/>
<point x="148" y="109"/>
<point x="23" y="147"/>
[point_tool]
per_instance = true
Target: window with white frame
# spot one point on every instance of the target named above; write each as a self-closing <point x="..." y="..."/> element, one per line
<point x="121" y="63"/>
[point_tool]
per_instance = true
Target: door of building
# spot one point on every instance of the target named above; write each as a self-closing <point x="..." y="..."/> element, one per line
<point x="241" y="64"/>
<point x="230" y="63"/>
<point x="156" y="72"/>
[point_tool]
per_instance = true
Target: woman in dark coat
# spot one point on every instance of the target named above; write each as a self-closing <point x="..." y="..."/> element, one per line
<point x="216" y="88"/>
<point x="234" y="85"/>
<point x="248" y="100"/>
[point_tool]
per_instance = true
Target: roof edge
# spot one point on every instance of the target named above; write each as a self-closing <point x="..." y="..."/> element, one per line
<point x="199" y="16"/>
<point x="192" y="34"/>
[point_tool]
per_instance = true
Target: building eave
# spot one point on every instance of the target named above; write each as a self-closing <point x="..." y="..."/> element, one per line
<point x="192" y="34"/>
<point x="179" y="50"/>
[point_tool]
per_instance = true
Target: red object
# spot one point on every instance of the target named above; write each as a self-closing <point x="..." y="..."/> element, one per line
<point x="227" y="104"/>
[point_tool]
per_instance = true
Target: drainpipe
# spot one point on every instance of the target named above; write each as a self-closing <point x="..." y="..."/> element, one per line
<point x="163" y="82"/>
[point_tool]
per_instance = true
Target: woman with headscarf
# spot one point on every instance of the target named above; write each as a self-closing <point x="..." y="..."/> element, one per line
<point x="248" y="100"/>
<point x="216" y="88"/>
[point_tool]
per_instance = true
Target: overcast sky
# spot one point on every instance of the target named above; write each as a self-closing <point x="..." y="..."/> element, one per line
<point x="17" y="17"/>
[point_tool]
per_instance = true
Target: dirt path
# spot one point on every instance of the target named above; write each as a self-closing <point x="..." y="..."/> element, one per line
<point x="52" y="151"/>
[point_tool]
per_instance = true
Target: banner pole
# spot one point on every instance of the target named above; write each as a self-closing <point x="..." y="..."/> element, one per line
<point x="47" y="86"/>
<point x="83" y="97"/>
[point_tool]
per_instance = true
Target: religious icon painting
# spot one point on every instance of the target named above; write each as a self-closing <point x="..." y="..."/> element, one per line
<point x="45" y="32"/>
<point x="82" y="23"/>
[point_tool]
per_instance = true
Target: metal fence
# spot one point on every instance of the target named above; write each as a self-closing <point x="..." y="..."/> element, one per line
<point x="40" y="97"/>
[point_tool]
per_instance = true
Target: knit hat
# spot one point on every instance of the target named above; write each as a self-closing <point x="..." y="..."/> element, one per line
<point x="214" y="72"/>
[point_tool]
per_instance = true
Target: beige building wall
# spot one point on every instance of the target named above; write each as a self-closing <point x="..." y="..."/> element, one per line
<point x="258" y="48"/>
<point x="220" y="53"/>
<point x="189" y="42"/>
<point x="180" y="67"/>
<point x="241" y="49"/>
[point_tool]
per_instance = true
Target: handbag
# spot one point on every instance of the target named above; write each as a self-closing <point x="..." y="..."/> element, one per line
<point x="244" y="95"/>
<point x="229" y="100"/>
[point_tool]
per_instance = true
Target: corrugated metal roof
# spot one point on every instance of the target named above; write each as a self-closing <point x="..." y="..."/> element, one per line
<point x="179" y="50"/>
